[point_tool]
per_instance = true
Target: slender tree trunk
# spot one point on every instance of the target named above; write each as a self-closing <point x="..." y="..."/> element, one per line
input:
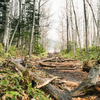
<point x="77" y="27"/>
<point x="6" y="32"/>
<point x="32" y="32"/>
<point x="39" y="14"/>
<point x="67" y="36"/>
<point x="73" y="35"/>
<point x="92" y="12"/>
<point x="19" y="26"/>
<point x="98" y="23"/>
<point x="13" y="35"/>
<point x="86" y="36"/>
<point x="67" y="27"/>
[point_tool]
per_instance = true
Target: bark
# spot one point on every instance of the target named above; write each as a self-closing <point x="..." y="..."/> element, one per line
<point x="6" y="32"/>
<point x="67" y="36"/>
<point x="73" y="35"/>
<point x="67" y="28"/>
<point x="50" y="64"/>
<point x="77" y="27"/>
<point x="86" y="36"/>
<point x="32" y="32"/>
<point x="89" y="81"/>
<point x="46" y="83"/>
<point x="98" y="23"/>
<point x="13" y="35"/>
<point x="56" y="93"/>
<point x="92" y="12"/>
<point x="19" y="26"/>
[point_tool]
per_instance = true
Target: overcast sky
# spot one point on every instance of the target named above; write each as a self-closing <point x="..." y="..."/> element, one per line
<point x="56" y="6"/>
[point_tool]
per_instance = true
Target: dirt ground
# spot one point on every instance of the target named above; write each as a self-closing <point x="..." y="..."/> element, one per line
<point x="71" y="75"/>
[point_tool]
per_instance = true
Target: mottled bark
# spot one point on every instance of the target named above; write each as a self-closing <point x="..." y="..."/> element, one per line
<point x="6" y="32"/>
<point x="86" y="35"/>
<point x="32" y="32"/>
<point x="77" y="27"/>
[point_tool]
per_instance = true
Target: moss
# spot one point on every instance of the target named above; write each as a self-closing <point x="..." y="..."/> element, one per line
<point x="90" y="55"/>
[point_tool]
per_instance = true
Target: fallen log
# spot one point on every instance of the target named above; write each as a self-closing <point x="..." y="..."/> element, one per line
<point x="67" y="83"/>
<point x="45" y="83"/>
<point x="70" y="60"/>
<point x="47" y="59"/>
<point x="56" y="93"/>
<point x="88" y="82"/>
<point x="62" y="68"/>
<point x="50" y="64"/>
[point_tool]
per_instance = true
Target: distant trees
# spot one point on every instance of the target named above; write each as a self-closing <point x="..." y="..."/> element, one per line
<point x="82" y="28"/>
<point x="22" y="27"/>
<point x="26" y="23"/>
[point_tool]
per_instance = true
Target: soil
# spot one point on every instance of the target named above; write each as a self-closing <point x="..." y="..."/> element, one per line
<point x="71" y="75"/>
<point x="69" y="71"/>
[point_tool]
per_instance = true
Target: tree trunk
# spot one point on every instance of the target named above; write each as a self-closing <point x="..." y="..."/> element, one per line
<point x="56" y="93"/>
<point x="86" y="36"/>
<point x="32" y="32"/>
<point x="13" y="35"/>
<point x="19" y="26"/>
<point x="73" y="34"/>
<point x="98" y="23"/>
<point x="67" y="28"/>
<point x="6" y="32"/>
<point x="89" y="81"/>
<point x="77" y="27"/>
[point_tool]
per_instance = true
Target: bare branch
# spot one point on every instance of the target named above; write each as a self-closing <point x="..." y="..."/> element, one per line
<point x="44" y="3"/>
<point x="92" y="12"/>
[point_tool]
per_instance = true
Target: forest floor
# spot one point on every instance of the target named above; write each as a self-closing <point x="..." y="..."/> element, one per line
<point x="69" y="74"/>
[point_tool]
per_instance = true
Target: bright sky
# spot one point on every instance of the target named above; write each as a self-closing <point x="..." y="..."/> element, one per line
<point x="56" y="11"/>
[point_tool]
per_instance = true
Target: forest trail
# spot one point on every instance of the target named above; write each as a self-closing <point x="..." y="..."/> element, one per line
<point x="61" y="73"/>
<point x="69" y="69"/>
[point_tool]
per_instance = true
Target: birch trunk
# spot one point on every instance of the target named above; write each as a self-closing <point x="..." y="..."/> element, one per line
<point x="67" y="27"/>
<point x="6" y="32"/>
<point x="77" y="27"/>
<point x="32" y="32"/>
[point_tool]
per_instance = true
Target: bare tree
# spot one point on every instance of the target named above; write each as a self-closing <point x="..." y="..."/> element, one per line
<point x="32" y="32"/>
<point x="72" y="30"/>
<point x="77" y="27"/>
<point x="98" y="22"/>
<point x="86" y="38"/>
<point x="6" y="32"/>
<point x="67" y="27"/>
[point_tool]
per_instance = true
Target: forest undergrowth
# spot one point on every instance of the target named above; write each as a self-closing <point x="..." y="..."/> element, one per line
<point x="92" y="54"/>
<point x="18" y="86"/>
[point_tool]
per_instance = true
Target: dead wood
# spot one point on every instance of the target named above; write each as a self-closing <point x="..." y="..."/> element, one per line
<point x="59" y="66"/>
<point x="50" y="64"/>
<point x="46" y="59"/>
<point x="56" y="93"/>
<point x="70" y="60"/>
<point x="62" y="68"/>
<point x="88" y="82"/>
<point x="45" y="83"/>
<point x="67" y="83"/>
<point x="87" y="65"/>
<point x="70" y="83"/>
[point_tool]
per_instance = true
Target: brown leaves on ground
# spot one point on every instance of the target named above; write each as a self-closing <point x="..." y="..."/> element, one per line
<point x="87" y="98"/>
<point x="68" y="79"/>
